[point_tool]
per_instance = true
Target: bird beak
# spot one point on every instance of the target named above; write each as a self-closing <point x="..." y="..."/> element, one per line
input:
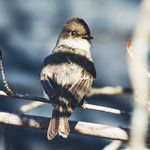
<point x="91" y="38"/>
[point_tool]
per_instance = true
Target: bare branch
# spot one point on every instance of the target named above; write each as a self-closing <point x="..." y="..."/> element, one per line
<point x="85" y="105"/>
<point x="2" y="93"/>
<point x="6" y="85"/>
<point x="78" y="127"/>
<point x="29" y="106"/>
<point x="114" y="145"/>
<point x="109" y="91"/>
<point x="104" y="109"/>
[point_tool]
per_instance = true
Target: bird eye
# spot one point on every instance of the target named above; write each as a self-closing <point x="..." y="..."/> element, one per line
<point x="73" y="33"/>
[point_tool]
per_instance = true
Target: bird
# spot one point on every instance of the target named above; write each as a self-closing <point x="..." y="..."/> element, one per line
<point x="67" y="74"/>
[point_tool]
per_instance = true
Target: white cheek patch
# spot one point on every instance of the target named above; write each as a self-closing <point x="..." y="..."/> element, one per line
<point x="76" y="43"/>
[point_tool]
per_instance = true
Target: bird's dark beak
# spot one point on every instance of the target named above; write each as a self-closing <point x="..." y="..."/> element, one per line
<point x="91" y="38"/>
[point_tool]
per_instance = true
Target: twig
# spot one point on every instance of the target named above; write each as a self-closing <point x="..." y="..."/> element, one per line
<point x="85" y="105"/>
<point x="29" y="106"/>
<point x="6" y="85"/>
<point x="109" y="91"/>
<point x="104" y="109"/>
<point x="114" y="145"/>
<point x="78" y="127"/>
<point x="3" y="93"/>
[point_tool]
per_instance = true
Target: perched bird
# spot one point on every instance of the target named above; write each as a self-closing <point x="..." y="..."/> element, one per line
<point x="67" y="74"/>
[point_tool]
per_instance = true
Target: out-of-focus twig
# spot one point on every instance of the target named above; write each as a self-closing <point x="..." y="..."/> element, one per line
<point x="3" y="93"/>
<point x="140" y="78"/>
<point x="114" y="145"/>
<point x="78" y="127"/>
<point x="29" y="106"/>
<point x="135" y="61"/>
<point x="118" y="90"/>
<point x="6" y="85"/>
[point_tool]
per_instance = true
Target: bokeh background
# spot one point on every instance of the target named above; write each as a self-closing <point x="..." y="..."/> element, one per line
<point x="28" y="33"/>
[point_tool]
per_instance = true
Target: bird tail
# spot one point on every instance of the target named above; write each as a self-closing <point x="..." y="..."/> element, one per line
<point x="59" y="123"/>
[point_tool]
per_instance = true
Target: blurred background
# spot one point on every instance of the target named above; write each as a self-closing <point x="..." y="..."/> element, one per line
<point x="28" y="33"/>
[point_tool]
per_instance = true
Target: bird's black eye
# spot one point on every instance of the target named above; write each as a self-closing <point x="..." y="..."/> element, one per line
<point x="73" y="33"/>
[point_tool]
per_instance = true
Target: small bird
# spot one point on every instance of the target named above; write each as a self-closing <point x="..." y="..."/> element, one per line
<point x="67" y="74"/>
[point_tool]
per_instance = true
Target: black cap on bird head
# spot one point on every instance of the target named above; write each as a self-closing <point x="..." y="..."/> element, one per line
<point x="76" y="28"/>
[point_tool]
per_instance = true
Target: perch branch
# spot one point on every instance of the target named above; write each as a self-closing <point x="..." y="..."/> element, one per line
<point x="85" y="105"/>
<point x="78" y="127"/>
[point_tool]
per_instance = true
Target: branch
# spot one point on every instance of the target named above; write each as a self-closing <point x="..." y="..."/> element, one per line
<point x="5" y="83"/>
<point x="85" y="105"/>
<point x="78" y="127"/>
<point x="29" y="106"/>
<point x="114" y="145"/>
<point x="108" y="91"/>
<point x="140" y="77"/>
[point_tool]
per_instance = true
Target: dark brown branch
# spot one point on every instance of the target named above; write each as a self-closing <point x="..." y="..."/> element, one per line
<point x="77" y="127"/>
<point x="84" y="105"/>
<point x="6" y="85"/>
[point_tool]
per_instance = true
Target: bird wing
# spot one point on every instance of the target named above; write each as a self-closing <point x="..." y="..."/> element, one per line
<point x="67" y="79"/>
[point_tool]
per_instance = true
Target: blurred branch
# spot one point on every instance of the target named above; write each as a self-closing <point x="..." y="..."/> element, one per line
<point x="29" y="106"/>
<point x="109" y="91"/>
<point x="138" y="66"/>
<point x="114" y="145"/>
<point x="78" y="127"/>
<point x="41" y="101"/>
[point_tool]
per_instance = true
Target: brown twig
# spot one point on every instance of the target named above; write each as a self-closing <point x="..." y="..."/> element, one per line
<point x="6" y="85"/>
<point x="78" y="127"/>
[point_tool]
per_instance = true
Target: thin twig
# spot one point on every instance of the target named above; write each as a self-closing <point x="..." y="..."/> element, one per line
<point x="30" y="106"/>
<point x="104" y="109"/>
<point x="78" y="127"/>
<point x="3" y="93"/>
<point x="108" y="91"/>
<point x="114" y="145"/>
<point x="84" y="105"/>
<point x="6" y="85"/>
